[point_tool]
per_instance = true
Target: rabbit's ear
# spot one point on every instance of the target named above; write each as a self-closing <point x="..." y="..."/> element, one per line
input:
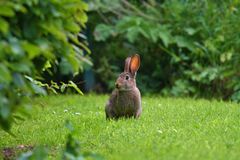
<point x="127" y="63"/>
<point x="134" y="64"/>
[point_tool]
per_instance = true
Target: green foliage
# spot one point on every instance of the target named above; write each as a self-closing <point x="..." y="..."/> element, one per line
<point x="39" y="153"/>
<point x="169" y="128"/>
<point x="36" y="36"/>
<point x="187" y="47"/>
<point x="53" y="87"/>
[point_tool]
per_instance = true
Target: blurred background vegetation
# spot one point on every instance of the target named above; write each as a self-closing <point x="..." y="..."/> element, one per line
<point x="187" y="48"/>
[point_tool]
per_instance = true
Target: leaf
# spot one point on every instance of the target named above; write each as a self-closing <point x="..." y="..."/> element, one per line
<point x="72" y="26"/>
<point x="154" y="34"/>
<point x="6" y="10"/>
<point x="32" y="49"/>
<point x="22" y="66"/>
<point x="29" y="78"/>
<point x="235" y="96"/>
<point x="39" y="153"/>
<point x="38" y="90"/>
<point x="85" y="47"/>
<point x="53" y="90"/>
<point x="72" y="84"/>
<point x="54" y="85"/>
<point x="55" y="28"/>
<point x="4" y="108"/>
<point x="86" y="60"/>
<point x="144" y="33"/>
<point x="20" y="8"/>
<point x="69" y="126"/>
<point x="82" y="18"/>
<point x="190" y="31"/>
<point x="25" y="156"/>
<point x="16" y="47"/>
<point x="132" y="34"/>
<point x="83" y="5"/>
<point x="5" y="74"/>
<point x="47" y="65"/>
<point x="65" y="67"/>
<point x="127" y="22"/>
<point x="63" y="87"/>
<point x="165" y="35"/>
<point x="78" y="46"/>
<point x="183" y="42"/>
<point x="102" y="32"/>
<point x="210" y="45"/>
<point x="18" y="80"/>
<point x="3" y="26"/>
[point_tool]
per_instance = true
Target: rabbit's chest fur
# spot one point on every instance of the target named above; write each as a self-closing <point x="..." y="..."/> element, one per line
<point x="124" y="103"/>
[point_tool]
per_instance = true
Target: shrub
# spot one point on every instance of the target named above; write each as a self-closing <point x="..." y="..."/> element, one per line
<point x="188" y="48"/>
<point x="35" y="36"/>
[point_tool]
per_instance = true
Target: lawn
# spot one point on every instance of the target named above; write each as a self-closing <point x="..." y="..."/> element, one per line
<point x="169" y="128"/>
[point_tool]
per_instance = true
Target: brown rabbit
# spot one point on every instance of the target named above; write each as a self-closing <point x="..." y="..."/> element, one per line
<point x="125" y="100"/>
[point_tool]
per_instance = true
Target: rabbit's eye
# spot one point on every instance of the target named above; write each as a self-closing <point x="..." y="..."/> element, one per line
<point x="127" y="77"/>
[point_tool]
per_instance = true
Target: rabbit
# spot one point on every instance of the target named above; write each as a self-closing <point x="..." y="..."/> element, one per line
<point x="125" y="100"/>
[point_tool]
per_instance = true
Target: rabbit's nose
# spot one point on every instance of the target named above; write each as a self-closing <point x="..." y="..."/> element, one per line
<point x="116" y="85"/>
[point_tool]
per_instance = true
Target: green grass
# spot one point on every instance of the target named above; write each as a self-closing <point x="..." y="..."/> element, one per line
<point x="169" y="128"/>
